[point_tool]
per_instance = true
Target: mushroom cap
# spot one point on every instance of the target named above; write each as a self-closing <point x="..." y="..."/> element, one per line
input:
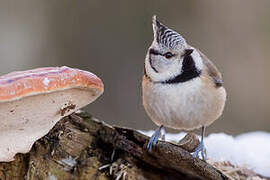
<point x="33" y="101"/>
<point x="20" y="84"/>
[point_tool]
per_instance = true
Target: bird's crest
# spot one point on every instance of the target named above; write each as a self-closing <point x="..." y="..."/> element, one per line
<point x="165" y="36"/>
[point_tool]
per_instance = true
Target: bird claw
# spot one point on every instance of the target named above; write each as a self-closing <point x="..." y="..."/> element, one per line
<point x="154" y="139"/>
<point x="200" y="149"/>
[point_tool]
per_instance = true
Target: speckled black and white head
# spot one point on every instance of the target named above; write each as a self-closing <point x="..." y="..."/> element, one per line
<point x="170" y="59"/>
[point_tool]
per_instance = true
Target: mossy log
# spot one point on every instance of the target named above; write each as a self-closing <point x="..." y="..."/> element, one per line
<point x="82" y="147"/>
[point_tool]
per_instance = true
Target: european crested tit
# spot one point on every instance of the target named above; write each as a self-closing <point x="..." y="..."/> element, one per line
<point x="182" y="88"/>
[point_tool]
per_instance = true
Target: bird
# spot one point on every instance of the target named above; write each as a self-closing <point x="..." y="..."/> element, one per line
<point x="181" y="88"/>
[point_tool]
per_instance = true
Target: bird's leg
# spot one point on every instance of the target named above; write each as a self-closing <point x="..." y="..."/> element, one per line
<point x="154" y="138"/>
<point x="201" y="147"/>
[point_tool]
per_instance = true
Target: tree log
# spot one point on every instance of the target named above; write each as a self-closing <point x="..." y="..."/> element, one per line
<point x="81" y="147"/>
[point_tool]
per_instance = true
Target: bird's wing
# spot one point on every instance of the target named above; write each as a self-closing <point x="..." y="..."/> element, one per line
<point x="211" y="69"/>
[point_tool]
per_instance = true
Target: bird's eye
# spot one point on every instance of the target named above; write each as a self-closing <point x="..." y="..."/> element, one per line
<point x="168" y="55"/>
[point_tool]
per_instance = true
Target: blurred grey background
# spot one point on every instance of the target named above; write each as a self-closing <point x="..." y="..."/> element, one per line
<point x="110" y="38"/>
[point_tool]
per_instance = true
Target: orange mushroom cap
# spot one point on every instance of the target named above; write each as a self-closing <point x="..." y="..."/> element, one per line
<point x="20" y="84"/>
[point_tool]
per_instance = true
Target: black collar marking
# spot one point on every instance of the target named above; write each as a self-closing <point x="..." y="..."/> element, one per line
<point x="189" y="70"/>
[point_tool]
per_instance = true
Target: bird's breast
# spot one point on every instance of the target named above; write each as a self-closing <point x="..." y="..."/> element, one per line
<point x="186" y="105"/>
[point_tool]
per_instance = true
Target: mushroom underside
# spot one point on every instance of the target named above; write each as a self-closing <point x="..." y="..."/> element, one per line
<point x="26" y="120"/>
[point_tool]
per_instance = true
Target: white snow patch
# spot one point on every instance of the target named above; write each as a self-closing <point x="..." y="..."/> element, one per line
<point x="46" y="81"/>
<point x="251" y="150"/>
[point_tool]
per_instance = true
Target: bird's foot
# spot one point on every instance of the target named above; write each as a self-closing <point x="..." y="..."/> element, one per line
<point x="154" y="139"/>
<point x="200" y="149"/>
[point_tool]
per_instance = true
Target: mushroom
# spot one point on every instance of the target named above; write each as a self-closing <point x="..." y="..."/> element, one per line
<point x="33" y="101"/>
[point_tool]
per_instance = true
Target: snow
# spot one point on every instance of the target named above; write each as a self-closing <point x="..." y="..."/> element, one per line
<point x="251" y="150"/>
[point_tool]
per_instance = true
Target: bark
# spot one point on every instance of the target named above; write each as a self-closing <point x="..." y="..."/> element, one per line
<point x="81" y="147"/>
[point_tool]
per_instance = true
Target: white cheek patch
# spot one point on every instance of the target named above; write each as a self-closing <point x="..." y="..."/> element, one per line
<point x="172" y="70"/>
